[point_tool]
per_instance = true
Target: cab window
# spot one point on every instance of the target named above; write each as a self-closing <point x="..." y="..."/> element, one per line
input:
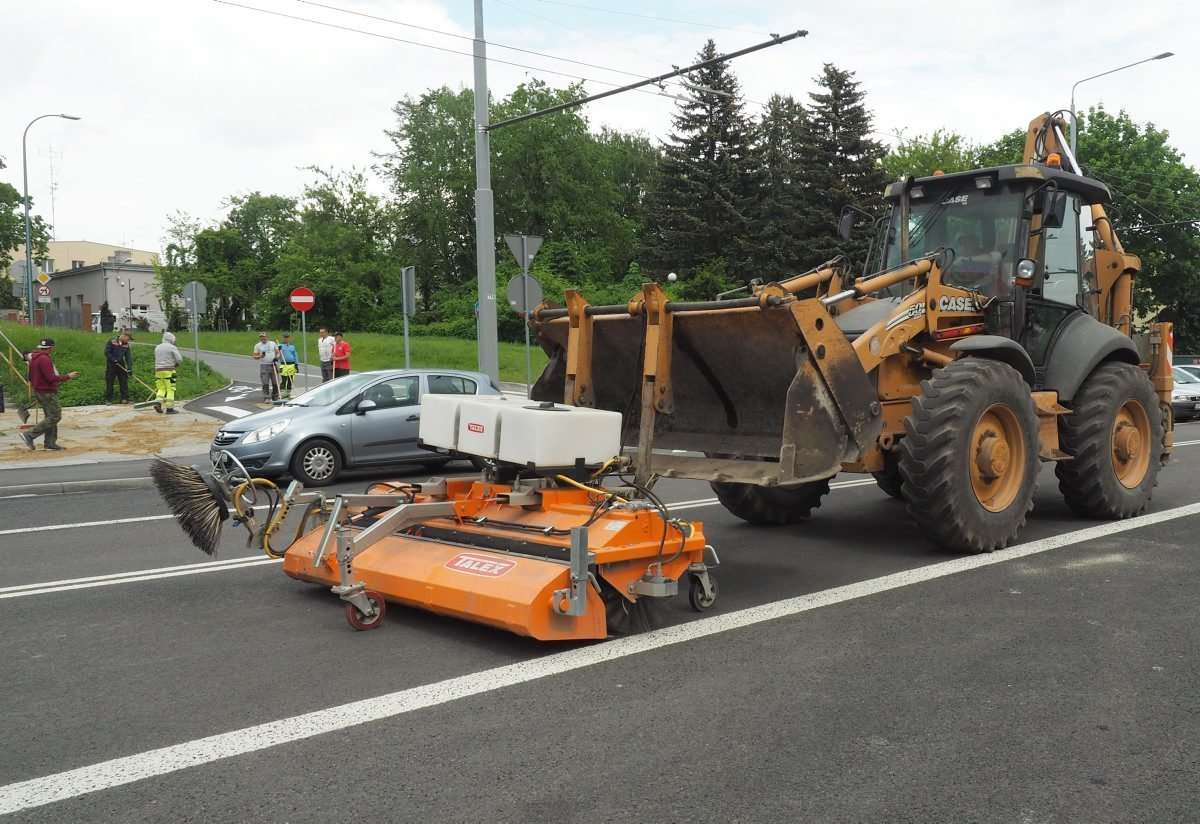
<point x="1061" y="280"/>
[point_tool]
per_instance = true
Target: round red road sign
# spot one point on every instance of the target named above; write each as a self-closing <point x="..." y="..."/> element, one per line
<point x="302" y="298"/>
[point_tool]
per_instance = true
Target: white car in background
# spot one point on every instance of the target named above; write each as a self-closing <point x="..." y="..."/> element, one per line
<point x="1185" y="396"/>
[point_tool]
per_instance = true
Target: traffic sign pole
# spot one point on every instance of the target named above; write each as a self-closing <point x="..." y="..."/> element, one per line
<point x="525" y="313"/>
<point x="303" y="299"/>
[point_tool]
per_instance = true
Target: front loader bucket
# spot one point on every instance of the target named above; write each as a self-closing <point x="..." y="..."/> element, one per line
<point x="764" y="395"/>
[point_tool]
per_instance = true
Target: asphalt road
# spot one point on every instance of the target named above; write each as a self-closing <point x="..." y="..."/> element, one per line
<point x="848" y="673"/>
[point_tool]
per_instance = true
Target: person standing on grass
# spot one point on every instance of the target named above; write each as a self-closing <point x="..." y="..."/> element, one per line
<point x="325" y="344"/>
<point x="118" y="365"/>
<point x="44" y="381"/>
<point x="266" y="352"/>
<point x="341" y="355"/>
<point x="166" y="364"/>
<point x="289" y="360"/>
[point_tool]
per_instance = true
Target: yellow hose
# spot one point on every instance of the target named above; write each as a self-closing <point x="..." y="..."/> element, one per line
<point x="593" y="489"/>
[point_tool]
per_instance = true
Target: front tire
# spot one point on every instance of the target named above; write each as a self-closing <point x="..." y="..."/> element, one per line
<point x="317" y="462"/>
<point x="1113" y="436"/>
<point x="771" y="505"/>
<point x="969" y="457"/>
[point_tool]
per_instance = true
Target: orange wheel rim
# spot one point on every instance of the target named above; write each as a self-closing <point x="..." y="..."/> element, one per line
<point x="997" y="458"/>
<point x="1131" y="449"/>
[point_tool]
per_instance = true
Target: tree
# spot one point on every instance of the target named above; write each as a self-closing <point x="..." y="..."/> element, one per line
<point x="941" y="150"/>
<point x="843" y="165"/>
<point x="12" y="235"/>
<point x="707" y="181"/>
<point x="779" y="235"/>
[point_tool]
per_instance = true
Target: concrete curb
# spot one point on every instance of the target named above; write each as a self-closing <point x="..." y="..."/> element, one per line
<point x="64" y="487"/>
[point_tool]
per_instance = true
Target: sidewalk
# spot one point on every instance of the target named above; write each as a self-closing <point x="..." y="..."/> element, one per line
<point x="99" y="434"/>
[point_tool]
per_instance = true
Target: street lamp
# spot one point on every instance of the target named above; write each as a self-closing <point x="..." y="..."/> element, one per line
<point x="28" y="231"/>
<point x="128" y="284"/>
<point x="1074" y="127"/>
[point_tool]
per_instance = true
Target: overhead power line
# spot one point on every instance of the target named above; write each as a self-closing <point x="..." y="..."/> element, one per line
<point x="655" y="18"/>
<point x="418" y="43"/>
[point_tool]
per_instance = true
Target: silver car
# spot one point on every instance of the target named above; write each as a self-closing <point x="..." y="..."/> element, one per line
<point x="363" y="419"/>
<point x="1185" y="395"/>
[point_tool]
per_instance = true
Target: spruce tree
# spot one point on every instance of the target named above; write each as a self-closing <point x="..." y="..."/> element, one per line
<point x="842" y="166"/>
<point x="697" y="212"/>
<point x="777" y="230"/>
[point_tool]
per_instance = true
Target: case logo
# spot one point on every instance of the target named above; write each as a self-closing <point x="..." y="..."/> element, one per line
<point x="482" y="565"/>
<point x="959" y="304"/>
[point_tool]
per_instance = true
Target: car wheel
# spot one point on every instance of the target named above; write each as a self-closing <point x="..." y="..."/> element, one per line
<point x="317" y="462"/>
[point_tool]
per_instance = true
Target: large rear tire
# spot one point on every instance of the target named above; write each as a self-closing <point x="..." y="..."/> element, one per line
<point x="1113" y="435"/>
<point x="771" y="505"/>
<point x="969" y="457"/>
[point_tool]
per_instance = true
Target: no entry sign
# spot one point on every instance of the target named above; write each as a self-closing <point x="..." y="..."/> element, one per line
<point x="302" y="298"/>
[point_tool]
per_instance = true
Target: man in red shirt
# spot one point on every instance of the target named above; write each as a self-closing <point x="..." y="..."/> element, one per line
<point x="341" y="355"/>
<point x="44" y="380"/>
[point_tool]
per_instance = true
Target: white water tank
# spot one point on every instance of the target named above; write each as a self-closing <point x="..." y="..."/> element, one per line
<point x="553" y="435"/>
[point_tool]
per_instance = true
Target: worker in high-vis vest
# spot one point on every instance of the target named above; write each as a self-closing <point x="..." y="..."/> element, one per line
<point x="166" y="361"/>
<point x="289" y="361"/>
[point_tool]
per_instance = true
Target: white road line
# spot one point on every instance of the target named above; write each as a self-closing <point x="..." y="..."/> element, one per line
<point x="129" y="579"/>
<point x="229" y="410"/>
<point x="140" y="573"/>
<point x="117" y="772"/>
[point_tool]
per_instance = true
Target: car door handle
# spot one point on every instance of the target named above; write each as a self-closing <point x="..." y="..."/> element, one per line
<point x="413" y="418"/>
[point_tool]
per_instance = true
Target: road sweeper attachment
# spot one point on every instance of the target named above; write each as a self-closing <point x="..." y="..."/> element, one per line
<point x="554" y="541"/>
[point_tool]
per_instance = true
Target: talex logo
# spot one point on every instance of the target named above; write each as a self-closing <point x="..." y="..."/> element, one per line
<point x="961" y="304"/>
<point x="475" y="427"/>
<point x="480" y="565"/>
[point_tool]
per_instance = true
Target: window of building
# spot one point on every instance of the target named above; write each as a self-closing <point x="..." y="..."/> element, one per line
<point x="56" y="303"/>
<point x="77" y="264"/>
<point x="48" y="266"/>
<point x="68" y="299"/>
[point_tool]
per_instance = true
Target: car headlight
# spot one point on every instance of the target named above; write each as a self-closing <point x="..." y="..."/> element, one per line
<point x="267" y="432"/>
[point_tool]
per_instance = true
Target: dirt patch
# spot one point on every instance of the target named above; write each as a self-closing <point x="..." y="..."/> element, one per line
<point x="112" y="433"/>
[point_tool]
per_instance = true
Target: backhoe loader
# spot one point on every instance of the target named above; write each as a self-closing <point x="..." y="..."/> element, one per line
<point x="985" y="338"/>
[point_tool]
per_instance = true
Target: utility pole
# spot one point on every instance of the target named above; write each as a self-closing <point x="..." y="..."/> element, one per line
<point x="485" y="217"/>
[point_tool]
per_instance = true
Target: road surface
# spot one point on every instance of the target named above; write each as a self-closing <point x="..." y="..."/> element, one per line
<point x="849" y="672"/>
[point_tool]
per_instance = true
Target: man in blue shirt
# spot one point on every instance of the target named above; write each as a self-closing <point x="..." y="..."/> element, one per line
<point x="289" y="365"/>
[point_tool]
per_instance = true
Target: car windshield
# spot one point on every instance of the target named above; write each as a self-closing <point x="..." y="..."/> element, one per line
<point x="332" y="392"/>
<point x="1184" y="376"/>
<point x="979" y="225"/>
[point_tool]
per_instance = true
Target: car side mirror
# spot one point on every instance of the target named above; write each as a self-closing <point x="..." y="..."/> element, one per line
<point x="364" y="406"/>
<point x="845" y="224"/>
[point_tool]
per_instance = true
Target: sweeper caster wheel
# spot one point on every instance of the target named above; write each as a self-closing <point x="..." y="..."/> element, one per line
<point x="361" y="621"/>
<point x="696" y="597"/>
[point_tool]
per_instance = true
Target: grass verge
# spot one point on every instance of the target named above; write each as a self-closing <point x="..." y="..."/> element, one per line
<point x="84" y="352"/>
<point x="375" y="351"/>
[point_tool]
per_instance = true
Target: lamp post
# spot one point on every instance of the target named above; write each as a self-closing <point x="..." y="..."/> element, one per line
<point x="1074" y="126"/>
<point x="128" y="284"/>
<point x="28" y="230"/>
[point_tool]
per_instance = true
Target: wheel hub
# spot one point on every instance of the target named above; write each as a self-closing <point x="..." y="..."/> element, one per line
<point x="1127" y="442"/>
<point x="1131" y="447"/>
<point x="993" y="457"/>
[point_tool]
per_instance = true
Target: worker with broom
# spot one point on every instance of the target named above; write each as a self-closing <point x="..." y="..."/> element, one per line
<point x="289" y="361"/>
<point x="44" y="381"/>
<point x="118" y="366"/>
<point x="166" y="361"/>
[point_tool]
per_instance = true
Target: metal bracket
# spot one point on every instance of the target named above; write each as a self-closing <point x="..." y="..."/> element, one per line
<point x="575" y="596"/>
<point x="578" y="389"/>
<point x="655" y="586"/>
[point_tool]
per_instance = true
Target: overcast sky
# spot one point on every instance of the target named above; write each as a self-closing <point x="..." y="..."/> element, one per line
<point x="185" y="102"/>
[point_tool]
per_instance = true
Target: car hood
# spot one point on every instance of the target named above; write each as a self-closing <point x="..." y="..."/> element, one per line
<point x="267" y="417"/>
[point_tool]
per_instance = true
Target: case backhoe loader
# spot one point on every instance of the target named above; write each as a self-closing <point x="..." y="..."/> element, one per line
<point x="986" y="339"/>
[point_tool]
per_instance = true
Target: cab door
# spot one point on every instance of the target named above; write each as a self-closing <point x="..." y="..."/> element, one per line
<point x="1059" y="294"/>
<point x="388" y="431"/>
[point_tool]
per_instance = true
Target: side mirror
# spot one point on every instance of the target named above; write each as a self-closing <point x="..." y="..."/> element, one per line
<point x="365" y="406"/>
<point x="1054" y="209"/>
<point x="845" y="224"/>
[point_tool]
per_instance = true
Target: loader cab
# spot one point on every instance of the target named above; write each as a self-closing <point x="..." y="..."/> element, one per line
<point x="989" y="221"/>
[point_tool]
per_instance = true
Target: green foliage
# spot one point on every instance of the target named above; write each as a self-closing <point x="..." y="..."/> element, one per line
<point x="782" y="147"/>
<point x="941" y="150"/>
<point x="12" y="234"/>
<point x="700" y="208"/>
<point x="83" y="352"/>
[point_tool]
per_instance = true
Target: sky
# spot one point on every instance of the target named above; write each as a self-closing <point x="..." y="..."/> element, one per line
<point x="187" y="102"/>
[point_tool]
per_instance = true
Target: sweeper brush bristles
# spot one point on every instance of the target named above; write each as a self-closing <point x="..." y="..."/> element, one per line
<point x="195" y="503"/>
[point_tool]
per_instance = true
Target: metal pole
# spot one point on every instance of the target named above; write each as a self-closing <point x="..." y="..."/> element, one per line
<point x="525" y="314"/>
<point x="404" y="311"/>
<point x="485" y="229"/>
<point x="304" y="344"/>
<point x="196" y="330"/>
<point x="28" y="231"/>
<point x="1074" y="129"/>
